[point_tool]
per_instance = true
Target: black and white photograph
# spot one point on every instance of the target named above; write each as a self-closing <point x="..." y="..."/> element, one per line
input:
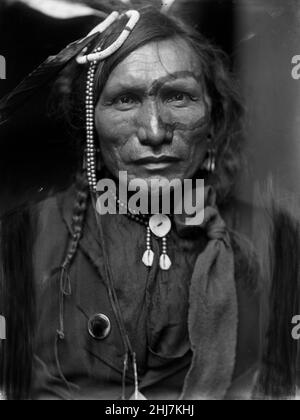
<point x="149" y="202"/>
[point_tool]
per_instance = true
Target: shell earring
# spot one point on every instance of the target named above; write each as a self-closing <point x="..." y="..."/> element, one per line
<point x="209" y="164"/>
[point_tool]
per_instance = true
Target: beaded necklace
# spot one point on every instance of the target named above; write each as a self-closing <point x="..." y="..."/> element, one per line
<point x="160" y="226"/>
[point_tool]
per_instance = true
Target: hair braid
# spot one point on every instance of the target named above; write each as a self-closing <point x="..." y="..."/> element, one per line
<point x="78" y="219"/>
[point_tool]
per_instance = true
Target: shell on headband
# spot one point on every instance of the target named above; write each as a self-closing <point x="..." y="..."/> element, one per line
<point x="133" y="16"/>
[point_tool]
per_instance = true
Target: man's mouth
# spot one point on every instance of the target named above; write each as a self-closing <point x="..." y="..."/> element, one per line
<point x="156" y="162"/>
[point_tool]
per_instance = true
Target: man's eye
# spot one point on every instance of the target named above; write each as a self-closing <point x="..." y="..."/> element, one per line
<point x="126" y="101"/>
<point x="179" y="98"/>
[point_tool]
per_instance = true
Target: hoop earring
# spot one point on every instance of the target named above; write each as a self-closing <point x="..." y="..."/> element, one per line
<point x="209" y="164"/>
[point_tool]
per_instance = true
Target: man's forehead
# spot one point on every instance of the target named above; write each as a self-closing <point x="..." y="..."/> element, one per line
<point x="157" y="61"/>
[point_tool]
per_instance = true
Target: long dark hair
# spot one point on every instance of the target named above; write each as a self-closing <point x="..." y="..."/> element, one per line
<point x="68" y="98"/>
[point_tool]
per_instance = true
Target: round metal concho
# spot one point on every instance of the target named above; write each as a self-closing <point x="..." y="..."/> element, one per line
<point x="99" y="326"/>
<point x="160" y="225"/>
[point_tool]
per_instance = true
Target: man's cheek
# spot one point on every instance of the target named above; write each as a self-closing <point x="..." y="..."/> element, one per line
<point x="188" y="142"/>
<point x="112" y="159"/>
<point x="189" y="118"/>
<point x="196" y="148"/>
<point x="116" y="133"/>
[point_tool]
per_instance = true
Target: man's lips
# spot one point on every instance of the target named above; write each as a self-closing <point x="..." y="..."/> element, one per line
<point x="156" y="163"/>
<point x="156" y="160"/>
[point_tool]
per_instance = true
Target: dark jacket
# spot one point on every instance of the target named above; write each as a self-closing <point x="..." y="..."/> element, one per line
<point x="154" y="305"/>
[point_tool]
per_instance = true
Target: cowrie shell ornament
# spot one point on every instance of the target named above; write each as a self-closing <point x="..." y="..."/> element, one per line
<point x="160" y="225"/>
<point x="148" y="258"/>
<point x="165" y="262"/>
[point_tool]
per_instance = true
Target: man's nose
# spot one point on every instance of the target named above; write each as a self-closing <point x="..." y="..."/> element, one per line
<point x="152" y="131"/>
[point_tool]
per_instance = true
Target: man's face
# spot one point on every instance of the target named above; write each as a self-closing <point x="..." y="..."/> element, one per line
<point x="152" y="115"/>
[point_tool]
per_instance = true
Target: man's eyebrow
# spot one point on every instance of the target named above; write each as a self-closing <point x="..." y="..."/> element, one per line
<point x="159" y="83"/>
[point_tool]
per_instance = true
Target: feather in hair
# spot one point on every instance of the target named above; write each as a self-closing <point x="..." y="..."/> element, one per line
<point x="40" y="77"/>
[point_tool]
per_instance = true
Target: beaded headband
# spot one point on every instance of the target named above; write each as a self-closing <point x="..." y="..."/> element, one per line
<point x="92" y="59"/>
